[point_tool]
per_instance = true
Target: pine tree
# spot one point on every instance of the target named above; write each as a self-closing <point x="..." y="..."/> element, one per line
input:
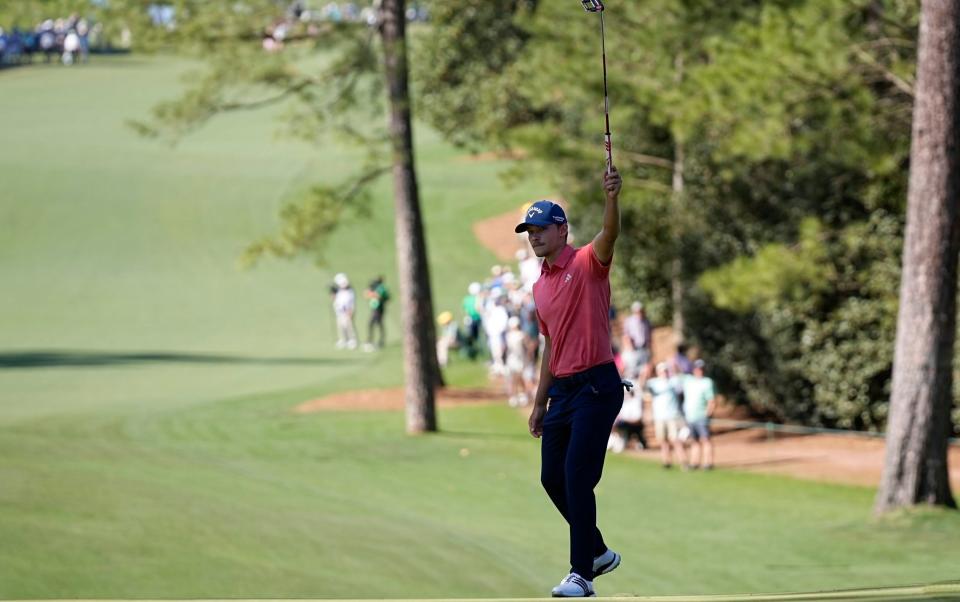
<point x="915" y="470"/>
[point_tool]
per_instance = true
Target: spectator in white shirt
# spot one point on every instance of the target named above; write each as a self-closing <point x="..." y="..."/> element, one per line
<point x="344" y="306"/>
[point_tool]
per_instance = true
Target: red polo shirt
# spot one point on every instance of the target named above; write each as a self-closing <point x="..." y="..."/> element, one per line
<point x="573" y="306"/>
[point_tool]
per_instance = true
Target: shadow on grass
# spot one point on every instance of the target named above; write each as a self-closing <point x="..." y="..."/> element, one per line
<point x="72" y="359"/>
<point x="481" y="434"/>
<point x="770" y="461"/>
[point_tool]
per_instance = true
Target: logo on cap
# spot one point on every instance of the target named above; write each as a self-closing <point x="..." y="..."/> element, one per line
<point x="542" y="214"/>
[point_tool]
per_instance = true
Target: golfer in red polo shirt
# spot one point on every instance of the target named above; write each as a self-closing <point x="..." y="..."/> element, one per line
<point x="580" y="391"/>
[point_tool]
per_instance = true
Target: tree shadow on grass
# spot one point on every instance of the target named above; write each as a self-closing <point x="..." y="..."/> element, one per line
<point x="74" y="359"/>
<point x="772" y="461"/>
<point x="482" y="434"/>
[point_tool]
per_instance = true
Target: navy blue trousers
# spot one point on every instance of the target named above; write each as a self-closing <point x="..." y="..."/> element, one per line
<point x="576" y="429"/>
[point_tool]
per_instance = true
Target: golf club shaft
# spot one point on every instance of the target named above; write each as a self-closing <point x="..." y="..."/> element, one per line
<point x="606" y="98"/>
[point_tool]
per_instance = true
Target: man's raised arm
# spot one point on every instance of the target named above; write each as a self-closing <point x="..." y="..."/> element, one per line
<point x="604" y="241"/>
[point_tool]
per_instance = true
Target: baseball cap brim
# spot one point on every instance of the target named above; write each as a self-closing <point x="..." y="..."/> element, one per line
<point x="523" y="226"/>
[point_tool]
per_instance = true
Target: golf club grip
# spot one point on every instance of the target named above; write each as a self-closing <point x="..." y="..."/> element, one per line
<point x="609" y="147"/>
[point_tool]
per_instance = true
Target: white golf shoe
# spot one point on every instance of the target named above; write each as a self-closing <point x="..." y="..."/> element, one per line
<point x="574" y="586"/>
<point x="605" y="563"/>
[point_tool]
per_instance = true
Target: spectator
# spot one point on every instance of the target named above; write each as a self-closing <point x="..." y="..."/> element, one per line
<point x="471" y="318"/>
<point x="699" y="404"/>
<point x="496" y="277"/>
<point x="83" y="32"/>
<point x="637" y="327"/>
<point x="529" y="266"/>
<point x="680" y="363"/>
<point x="515" y="364"/>
<point x="628" y="425"/>
<point x="532" y="340"/>
<point x="378" y="295"/>
<point x="514" y="293"/>
<point x="344" y="305"/>
<point x="71" y="47"/>
<point x="447" y="338"/>
<point x="495" y="319"/>
<point x="627" y="358"/>
<point x="31" y="44"/>
<point x="14" y="47"/>
<point x="47" y="40"/>
<point x="667" y="418"/>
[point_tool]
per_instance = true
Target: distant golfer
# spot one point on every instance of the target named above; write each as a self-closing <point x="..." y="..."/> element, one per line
<point x="577" y="377"/>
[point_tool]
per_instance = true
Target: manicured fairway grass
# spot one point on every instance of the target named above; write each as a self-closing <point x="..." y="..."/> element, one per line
<point x="118" y="254"/>
<point x="242" y="498"/>
<point x="147" y="443"/>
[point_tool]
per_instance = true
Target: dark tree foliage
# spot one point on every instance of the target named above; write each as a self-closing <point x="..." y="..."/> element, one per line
<point x="794" y="121"/>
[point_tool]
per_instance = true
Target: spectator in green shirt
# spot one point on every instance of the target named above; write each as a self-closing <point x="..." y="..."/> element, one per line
<point x="471" y="318"/>
<point x="378" y="295"/>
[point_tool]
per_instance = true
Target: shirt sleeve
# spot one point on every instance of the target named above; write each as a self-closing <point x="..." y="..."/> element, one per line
<point x="543" y="325"/>
<point x="592" y="262"/>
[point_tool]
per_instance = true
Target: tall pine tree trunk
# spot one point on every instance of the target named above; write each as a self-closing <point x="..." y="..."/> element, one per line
<point x="915" y="470"/>
<point x="677" y="291"/>
<point x="676" y="266"/>
<point x="421" y="370"/>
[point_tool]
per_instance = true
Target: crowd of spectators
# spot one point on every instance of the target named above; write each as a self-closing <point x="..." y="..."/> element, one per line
<point x="497" y="323"/>
<point x="301" y="19"/>
<point x="65" y="40"/>
<point x="350" y="12"/>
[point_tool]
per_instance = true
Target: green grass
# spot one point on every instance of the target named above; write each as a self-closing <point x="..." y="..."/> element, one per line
<point x="242" y="498"/>
<point x="121" y="248"/>
<point x="147" y="443"/>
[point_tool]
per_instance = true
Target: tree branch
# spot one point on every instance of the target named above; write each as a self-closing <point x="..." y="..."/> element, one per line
<point x="365" y="178"/>
<point x="651" y="185"/>
<point x="256" y="104"/>
<point x="648" y="159"/>
<point x="351" y="73"/>
<point x="891" y="77"/>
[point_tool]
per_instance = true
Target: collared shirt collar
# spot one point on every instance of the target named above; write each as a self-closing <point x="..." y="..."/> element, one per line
<point x="565" y="256"/>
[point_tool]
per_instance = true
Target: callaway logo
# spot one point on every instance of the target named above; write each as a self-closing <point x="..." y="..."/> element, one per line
<point x="568" y="278"/>
<point x="534" y="210"/>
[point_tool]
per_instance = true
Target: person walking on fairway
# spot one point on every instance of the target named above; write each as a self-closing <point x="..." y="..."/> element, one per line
<point x="580" y="391"/>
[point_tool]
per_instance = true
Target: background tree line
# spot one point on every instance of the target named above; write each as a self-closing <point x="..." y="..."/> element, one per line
<point x="765" y="147"/>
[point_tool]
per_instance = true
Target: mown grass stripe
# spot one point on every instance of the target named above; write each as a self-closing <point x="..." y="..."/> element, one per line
<point x="938" y="591"/>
